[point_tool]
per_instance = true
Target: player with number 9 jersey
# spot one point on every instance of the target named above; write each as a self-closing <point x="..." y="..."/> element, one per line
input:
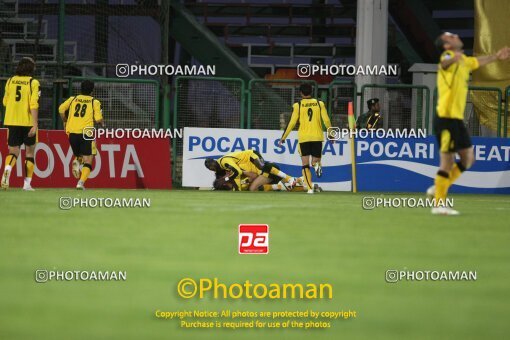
<point x="310" y="113"/>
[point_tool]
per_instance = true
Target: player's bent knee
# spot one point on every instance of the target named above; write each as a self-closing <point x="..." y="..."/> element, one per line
<point x="267" y="168"/>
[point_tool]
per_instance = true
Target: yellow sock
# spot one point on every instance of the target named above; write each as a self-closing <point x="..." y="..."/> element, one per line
<point x="442" y="183"/>
<point x="268" y="187"/>
<point x="29" y="167"/>
<point x="10" y="160"/>
<point x="85" y="172"/>
<point x="456" y="171"/>
<point x="307" y="175"/>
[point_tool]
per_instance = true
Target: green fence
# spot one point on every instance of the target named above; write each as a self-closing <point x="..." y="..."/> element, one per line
<point x="340" y="93"/>
<point x="492" y="122"/>
<point x="402" y="106"/>
<point x="270" y="102"/>
<point x="206" y="102"/>
<point x="126" y="103"/>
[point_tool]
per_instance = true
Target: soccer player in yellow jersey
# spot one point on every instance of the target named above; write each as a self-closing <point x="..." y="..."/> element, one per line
<point x="21" y="101"/>
<point x="452" y="136"/>
<point x="238" y="162"/>
<point x="79" y="114"/>
<point x="310" y="113"/>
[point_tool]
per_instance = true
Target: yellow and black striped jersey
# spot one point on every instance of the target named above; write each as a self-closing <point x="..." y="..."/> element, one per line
<point x="83" y="112"/>
<point x="310" y="113"/>
<point x="21" y="96"/>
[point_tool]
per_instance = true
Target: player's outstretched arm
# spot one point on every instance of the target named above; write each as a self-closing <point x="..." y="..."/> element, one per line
<point x="293" y="120"/>
<point x="502" y="54"/>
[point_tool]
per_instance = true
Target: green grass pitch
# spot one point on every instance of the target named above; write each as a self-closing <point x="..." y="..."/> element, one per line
<point x="326" y="237"/>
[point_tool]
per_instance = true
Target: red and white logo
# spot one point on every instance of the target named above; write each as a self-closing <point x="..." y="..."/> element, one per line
<point x="253" y="239"/>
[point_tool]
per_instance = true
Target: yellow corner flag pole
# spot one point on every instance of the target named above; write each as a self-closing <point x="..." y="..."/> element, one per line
<point x="352" y="126"/>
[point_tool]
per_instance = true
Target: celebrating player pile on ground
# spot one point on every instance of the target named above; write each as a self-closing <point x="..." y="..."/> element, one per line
<point x="452" y="135"/>
<point x="236" y="166"/>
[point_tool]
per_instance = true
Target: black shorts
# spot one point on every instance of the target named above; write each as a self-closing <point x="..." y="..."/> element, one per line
<point x="257" y="158"/>
<point x="311" y="148"/>
<point x="451" y="134"/>
<point x="273" y="179"/>
<point x="18" y="135"/>
<point x="81" y="146"/>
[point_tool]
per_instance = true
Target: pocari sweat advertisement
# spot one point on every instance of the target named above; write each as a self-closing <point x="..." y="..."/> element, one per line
<point x="382" y="164"/>
<point x="202" y="143"/>
<point x="411" y="164"/>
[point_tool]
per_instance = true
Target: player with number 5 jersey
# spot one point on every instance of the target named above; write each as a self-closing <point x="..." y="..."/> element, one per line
<point x="21" y="101"/>
<point x="310" y="113"/>
<point x="79" y="114"/>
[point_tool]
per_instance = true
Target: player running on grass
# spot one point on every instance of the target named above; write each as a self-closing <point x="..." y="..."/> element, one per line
<point x="21" y="101"/>
<point x="310" y="113"/>
<point x="452" y="136"/>
<point x="79" y="113"/>
<point x="237" y="162"/>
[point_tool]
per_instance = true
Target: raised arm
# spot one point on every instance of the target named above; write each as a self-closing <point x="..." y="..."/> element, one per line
<point x="502" y="54"/>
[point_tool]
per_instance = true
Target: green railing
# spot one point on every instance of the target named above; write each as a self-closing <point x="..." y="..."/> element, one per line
<point x="126" y="103"/>
<point x="209" y="102"/>
<point x="402" y="106"/>
<point x="270" y="102"/>
<point x="472" y="116"/>
<point x="340" y="93"/>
